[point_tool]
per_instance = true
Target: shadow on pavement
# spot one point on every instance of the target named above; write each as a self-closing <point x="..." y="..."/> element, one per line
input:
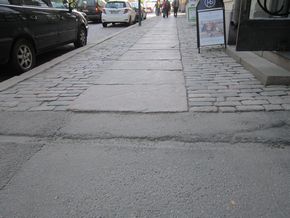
<point x="6" y="72"/>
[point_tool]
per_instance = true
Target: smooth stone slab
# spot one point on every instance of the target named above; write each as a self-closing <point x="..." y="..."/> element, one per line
<point x="156" y="46"/>
<point x="147" y="65"/>
<point x="132" y="98"/>
<point x="134" y="77"/>
<point x="163" y="31"/>
<point x="151" y="55"/>
<point x="157" y="41"/>
<point x="160" y="37"/>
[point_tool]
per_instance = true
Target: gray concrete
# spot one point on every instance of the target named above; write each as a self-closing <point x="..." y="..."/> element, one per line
<point x="150" y="179"/>
<point x="151" y="55"/>
<point x="132" y="98"/>
<point x="139" y="85"/>
<point x="135" y="77"/>
<point x="267" y="72"/>
<point x="156" y="46"/>
<point x="146" y="65"/>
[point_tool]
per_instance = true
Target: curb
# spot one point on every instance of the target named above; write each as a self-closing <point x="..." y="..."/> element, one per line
<point x="17" y="79"/>
<point x="266" y="72"/>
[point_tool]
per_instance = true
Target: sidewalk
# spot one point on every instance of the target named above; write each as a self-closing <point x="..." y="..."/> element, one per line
<point x="145" y="150"/>
<point x="152" y="68"/>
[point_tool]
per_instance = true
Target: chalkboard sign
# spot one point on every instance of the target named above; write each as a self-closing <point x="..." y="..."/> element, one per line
<point x="210" y="15"/>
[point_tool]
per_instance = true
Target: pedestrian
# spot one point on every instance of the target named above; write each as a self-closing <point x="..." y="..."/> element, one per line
<point x="175" y="5"/>
<point x="165" y="8"/>
<point x="157" y="8"/>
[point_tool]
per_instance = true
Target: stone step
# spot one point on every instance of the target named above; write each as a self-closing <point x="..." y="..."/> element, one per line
<point x="281" y="59"/>
<point x="267" y="72"/>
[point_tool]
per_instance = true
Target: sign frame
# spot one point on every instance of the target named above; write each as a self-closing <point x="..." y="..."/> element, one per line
<point x="211" y="28"/>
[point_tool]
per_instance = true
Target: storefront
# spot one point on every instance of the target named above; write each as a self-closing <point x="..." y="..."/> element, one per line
<point x="260" y="25"/>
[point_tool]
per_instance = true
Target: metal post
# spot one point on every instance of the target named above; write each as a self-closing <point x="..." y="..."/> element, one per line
<point x="139" y="12"/>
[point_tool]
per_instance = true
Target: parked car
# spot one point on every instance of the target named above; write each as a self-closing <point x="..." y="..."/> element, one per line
<point x="135" y="6"/>
<point x="36" y="26"/>
<point x="92" y="8"/>
<point x="118" y="11"/>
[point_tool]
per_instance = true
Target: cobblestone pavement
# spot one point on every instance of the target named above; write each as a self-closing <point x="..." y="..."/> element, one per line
<point x="214" y="81"/>
<point x="56" y="88"/>
<point x="217" y="83"/>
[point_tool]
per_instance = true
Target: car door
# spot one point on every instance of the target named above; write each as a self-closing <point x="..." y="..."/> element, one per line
<point x="42" y="23"/>
<point x="132" y="11"/>
<point x="67" y="31"/>
<point x="10" y="20"/>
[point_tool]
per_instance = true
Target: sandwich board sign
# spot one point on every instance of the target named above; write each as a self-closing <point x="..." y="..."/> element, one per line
<point x="191" y="11"/>
<point x="210" y="15"/>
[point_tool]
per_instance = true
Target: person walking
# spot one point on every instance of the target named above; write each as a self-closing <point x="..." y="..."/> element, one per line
<point x="175" y="5"/>
<point x="157" y="8"/>
<point x="165" y="8"/>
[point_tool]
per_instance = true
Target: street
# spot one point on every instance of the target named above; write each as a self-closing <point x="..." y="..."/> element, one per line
<point x="141" y="125"/>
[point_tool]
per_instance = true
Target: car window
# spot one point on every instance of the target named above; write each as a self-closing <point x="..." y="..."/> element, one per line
<point x="134" y="4"/>
<point x="80" y="3"/>
<point x="10" y="2"/>
<point x="38" y="3"/>
<point x="5" y="2"/>
<point x="116" y="5"/>
<point x="57" y="4"/>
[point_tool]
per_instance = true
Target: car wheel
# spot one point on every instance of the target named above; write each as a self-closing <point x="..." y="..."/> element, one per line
<point x="129" y="22"/>
<point x="81" y="38"/>
<point x="104" y="24"/>
<point x="23" y="56"/>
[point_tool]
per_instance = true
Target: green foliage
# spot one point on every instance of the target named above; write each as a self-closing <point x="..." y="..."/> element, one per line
<point x="73" y="3"/>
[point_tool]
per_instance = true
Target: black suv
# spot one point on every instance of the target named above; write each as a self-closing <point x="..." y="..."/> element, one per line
<point x="31" y="27"/>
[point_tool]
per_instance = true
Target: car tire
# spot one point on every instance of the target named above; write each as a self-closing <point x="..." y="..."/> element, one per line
<point x="23" y="56"/>
<point x="104" y="24"/>
<point x="81" y="38"/>
<point x="129" y="22"/>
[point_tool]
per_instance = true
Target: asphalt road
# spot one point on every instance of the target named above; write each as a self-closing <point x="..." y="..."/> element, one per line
<point x="141" y="178"/>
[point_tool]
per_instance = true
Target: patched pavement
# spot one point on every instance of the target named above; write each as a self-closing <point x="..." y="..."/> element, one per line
<point x="155" y="60"/>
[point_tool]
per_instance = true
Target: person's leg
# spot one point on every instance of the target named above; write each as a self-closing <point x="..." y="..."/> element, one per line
<point x="175" y="11"/>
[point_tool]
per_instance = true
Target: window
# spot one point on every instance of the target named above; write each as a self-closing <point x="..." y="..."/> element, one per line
<point x="116" y="5"/>
<point x="57" y="4"/>
<point x="271" y="9"/>
<point x="38" y="3"/>
<point x="11" y="2"/>
<point x="5" y="2"/>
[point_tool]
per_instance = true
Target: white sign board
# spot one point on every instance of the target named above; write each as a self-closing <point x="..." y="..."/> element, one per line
<point x="211" y="27"/>
<point x="192" y="3"/>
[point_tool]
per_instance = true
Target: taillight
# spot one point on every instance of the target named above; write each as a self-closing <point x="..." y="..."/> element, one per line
<point x="104" y="11"/>
<point x="97" y="9"/>
<point x="126" y="11"/>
